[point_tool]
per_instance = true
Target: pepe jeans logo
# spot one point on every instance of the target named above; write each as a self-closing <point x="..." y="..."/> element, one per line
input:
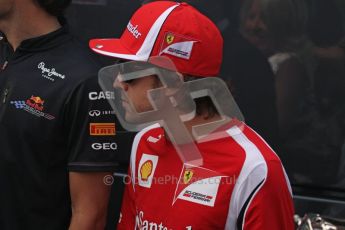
<point x="49" y="73"/>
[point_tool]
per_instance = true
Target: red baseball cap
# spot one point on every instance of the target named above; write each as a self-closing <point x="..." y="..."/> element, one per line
<point x="165" y="28"/>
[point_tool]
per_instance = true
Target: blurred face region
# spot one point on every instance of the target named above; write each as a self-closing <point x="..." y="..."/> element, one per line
<point x="253" y="27"/>
<point x="136" y="95"/>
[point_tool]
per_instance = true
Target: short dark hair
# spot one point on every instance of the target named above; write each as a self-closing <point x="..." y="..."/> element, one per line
<point x="54" y="7"/>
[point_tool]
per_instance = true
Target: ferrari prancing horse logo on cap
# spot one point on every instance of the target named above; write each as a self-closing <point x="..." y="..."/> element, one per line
<point x="177" y="45"/>
<point x="170" y="38"/>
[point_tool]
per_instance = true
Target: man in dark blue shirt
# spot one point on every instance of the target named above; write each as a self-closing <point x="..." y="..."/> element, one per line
<point x="58" y="137"/>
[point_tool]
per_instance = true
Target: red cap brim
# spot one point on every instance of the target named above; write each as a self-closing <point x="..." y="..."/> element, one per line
<point x="112" y="47"/>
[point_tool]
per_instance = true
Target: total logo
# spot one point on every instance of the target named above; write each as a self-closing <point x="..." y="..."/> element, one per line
<point x="104" y="146"/>
<point x="143" y="224"/>
<point x="93" y="96"/>
<point x="33" y="105"/>
<point x="97" y="113"/>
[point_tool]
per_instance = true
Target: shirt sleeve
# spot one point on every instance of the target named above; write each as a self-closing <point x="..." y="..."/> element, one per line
<point x="96" y="141"/>
<point x="127" y="218"/>
<point x="270" y="205"/>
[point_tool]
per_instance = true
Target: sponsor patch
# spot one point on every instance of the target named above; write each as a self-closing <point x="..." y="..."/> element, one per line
<point x="97" y="113"/>
<point x="102" y="129"/>
<point x="93" y="96"/>
<point x="49" y="73"/>
<point x="33" y="105"/>
<point x="198" y="185"/>
<point x="170" y="38"/>
<point x="146" y="169"/>
<point x="104" y="146"/>
<point x="187" y="175"/>
<point x="18" y="104"/>
<point x="177" y="45"/>
<point x="94" y="113"/>
<point x="142" y="223"/>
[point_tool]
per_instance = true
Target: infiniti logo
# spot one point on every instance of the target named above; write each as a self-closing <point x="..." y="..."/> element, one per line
<point x="94" y="113"/>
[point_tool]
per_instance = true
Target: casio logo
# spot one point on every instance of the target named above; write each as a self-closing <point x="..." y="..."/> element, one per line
<point x="94" y="113"/>
<point x="104" y="146"/>
<point x="101" y="95"/>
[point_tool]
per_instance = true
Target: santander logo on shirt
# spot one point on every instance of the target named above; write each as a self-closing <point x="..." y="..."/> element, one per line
<point x="142" y="224"/>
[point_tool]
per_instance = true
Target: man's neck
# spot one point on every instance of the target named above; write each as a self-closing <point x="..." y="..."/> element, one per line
<point x="202" y="120"/>
<point x="26" y="22"/>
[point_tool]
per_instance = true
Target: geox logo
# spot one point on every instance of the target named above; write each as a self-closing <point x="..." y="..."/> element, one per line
<point x="133" y="30"/>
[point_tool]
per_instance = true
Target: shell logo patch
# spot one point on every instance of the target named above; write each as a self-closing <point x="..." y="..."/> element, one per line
<point x="146" y="170"/>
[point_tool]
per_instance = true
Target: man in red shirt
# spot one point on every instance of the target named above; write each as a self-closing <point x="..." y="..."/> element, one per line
<point x="241" y="183"/>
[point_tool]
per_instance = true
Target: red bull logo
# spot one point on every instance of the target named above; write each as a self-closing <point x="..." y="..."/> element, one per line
<point x="35" y="102"/>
